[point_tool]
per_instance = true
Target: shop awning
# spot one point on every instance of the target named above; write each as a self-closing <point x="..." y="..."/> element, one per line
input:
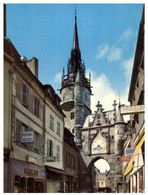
<point x="130" y="165"/>
<point x="55" y="170"/>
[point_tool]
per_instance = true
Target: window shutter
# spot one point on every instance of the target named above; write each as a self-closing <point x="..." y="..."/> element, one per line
<point x="58" y="153"/>
<point x="40" y="111"/>
<point x="48" y="147"/>
<point x="40" y="143"/>
<point x="18" y="131"/>
<point x="35" y="141"/>
<point x="24" y="94"/>
<point x="51" y="148"/>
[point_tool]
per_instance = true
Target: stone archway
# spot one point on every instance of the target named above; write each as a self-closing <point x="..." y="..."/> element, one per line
<point x="85" y="167"/>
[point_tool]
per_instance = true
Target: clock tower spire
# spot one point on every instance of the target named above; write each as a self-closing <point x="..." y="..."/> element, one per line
<point x="75" y="90"/>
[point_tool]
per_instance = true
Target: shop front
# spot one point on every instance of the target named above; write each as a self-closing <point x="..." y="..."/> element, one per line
<point x="55" y="180"/>
<point x="71" y="183"/>
<point x="134" y="174"/>
<point x="27" y="177"/>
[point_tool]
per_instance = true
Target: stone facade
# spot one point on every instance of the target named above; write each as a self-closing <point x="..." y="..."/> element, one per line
<point x="97" y="135"/>
<point x="75" y="91"/>
<point x="134" y="138"/>
<point x="27" y="127"/>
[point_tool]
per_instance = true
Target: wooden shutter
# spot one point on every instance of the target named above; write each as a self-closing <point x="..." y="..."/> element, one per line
<point x="48" y="147"/>
<point x="51" y="148"/>
<point x="58" y="153"/>
<point x="40" y="143"/>
<point x="18" y="131"/>
<point x="24" y="94"/>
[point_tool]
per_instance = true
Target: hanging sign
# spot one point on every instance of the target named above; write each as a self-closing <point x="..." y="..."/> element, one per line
<point x="125" y="158"/>
<point x="129" y="151"/>
<point x="132" y="109"/>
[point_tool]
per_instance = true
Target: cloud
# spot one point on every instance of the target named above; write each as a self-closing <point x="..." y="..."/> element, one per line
<point x="125" y="35"/>
<point x="115" y="51"/>
<point x="104" y="93"/>
<point x="115" y="54"/>
<point x="57" y="78"/>
<point x="102" y="51"/>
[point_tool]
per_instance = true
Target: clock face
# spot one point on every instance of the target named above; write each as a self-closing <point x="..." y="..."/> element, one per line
<point x="99" y="145"/>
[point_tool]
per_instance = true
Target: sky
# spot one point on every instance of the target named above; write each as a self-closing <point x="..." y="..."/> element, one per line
<point x="107" y="40"/>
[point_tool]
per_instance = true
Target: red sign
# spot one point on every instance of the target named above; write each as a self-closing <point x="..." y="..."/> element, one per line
<point x="125" y="158"/>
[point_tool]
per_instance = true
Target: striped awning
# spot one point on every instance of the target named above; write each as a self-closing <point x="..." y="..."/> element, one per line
<point x="130" y="165"/>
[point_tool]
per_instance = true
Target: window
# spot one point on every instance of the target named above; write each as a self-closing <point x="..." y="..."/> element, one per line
<point x="24" y="94"/>
<point x="73" y="161"/>
<point x="51" y="122"/>
<point x="36" y="106"/>
<point x="49" y="148"/>
<point x="58" y="153"/>
<point x="33" y="142"/>
<point x="112" y="137"/>
<point x="58" y="128"/>
<point x="72" y="115"/>
<point x="37" y="142"/>
<point x="67" y="158"/>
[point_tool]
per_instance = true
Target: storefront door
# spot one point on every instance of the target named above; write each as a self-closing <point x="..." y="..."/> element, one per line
<point x="28" y="184"/>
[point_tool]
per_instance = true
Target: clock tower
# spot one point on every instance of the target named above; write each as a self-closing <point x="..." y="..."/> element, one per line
<point x="75" y="90"/>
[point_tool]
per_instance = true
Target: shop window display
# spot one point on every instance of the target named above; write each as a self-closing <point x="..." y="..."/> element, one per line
<point x="24" y="184"/>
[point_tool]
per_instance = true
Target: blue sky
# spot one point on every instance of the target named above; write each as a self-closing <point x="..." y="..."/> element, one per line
<point x="107" y="39"/>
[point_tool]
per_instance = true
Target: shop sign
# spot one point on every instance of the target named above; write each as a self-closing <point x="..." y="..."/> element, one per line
<point x="125" y="158"/>
<point x="129" y="151"/>
<point x="132" y="109"/>
<point x="27" y="136"/>
<point x="50" y="159"/>
<point x="30" y="171"/>
<point x="31" y="159"/>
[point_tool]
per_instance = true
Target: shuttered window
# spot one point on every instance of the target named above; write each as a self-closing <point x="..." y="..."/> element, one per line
<point x="35" y="145"/>
<point x="51" y="122"/>
<point x="58" y="128"/>
<point x="37" y="142"/>
<point x="18" y="131"/>
<point x="36" y="106"/>
<point x="24" y="94"/>
<point x="49" y="148"/>
<point x="58" y="153"/>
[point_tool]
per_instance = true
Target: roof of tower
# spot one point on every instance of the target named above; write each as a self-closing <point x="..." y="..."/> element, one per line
<point x="75" y="38"/>
<point x="119" y="116"/>
<point x="78" y="77"/>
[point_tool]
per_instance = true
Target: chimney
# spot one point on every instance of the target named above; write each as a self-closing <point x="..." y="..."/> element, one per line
<point x="33" y="66"/>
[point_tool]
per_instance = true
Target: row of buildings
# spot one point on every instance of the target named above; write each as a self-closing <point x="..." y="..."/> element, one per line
<point x="39" y="155"/>
<point x="134" y="138"/>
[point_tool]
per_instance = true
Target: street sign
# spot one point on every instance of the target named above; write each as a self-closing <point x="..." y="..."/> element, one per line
<point x="129" y="151"/>
<point x="125" y="158"/>
<point x="132" y="109"/>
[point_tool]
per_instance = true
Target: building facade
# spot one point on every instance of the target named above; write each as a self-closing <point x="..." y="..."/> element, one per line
<point x="33" y="127"/>
<point x="134" y="139"/>
<point x="26" y="125"/>
<point x="71" y="153"/>
<point x="54" y="138"/>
